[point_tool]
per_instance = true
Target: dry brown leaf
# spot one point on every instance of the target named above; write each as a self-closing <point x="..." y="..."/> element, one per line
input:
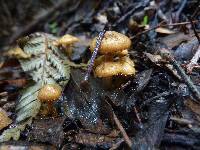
<point x="15" y="82"/>
<point x="1" y="64"/>
<point x="159" y="61"/>
<point x="154" y="58"/>
<point x="193" y="106"/>
<point x="164" y="30"/>
<point x="4" y="119"/>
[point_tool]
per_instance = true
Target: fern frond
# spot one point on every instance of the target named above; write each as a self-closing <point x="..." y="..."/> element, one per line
<point x="47" y="58"/>
<point x="46" y="66"/>
<point x="28" y="105"/>
<point x="32" y="64"/>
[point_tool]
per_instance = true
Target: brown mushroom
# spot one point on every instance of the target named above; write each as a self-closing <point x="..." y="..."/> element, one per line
<point x="67" y="39"/>
<point x="113" y="43"/>
<point x="49" y="94"/>
<point x="67" y="42"/>
<point x="124" y="67"/>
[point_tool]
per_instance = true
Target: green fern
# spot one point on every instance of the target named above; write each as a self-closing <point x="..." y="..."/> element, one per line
<point x="46" y="58"/>
<point x="47" y="65"/>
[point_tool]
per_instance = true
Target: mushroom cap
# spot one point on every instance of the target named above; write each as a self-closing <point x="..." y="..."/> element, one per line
<point x="124" y="66"/>
<point x="112" y="43"/>
<point x="67" y="39"/>
<point x="49" y="93"/>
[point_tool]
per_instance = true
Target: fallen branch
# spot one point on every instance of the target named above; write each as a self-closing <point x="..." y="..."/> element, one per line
<point x="163" y="25"/>
<point x="185" y="77"/>
<point x="123" y="132"/>
<point x="194" y="61"/>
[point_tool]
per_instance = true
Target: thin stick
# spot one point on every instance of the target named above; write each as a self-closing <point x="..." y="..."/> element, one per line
<point x="178" y="12"/>
<point x="194" y="29"/>
<point x="195" y="58"/>
<point x="166" y="25"/>
<point x="116" y="145"/>
<point x="137" y="116"/>
<point x="185" y="77"/>
<point x="194" y="61"/>
<point x="94" y="54"/>
<point x="123" y="132"/>
<point x="126" y="15"/>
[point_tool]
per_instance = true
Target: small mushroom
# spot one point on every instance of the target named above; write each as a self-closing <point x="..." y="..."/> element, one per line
<point x="113" y="43"/>
<point x="124" y="67"/>
<point x="67" y="42"/>
<point x="49" y="94"/>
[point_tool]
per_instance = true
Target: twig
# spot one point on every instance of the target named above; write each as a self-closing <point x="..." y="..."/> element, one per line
<point x="194" y="61"/>
<point x="163" y="25"/>
<point x="197" y="10"/>
<point x="155" y="97"/>
<point x="116" y="145"/>
<point x="178" y="12"/>
<point x="185" y="77"/>
<point x="96" y="49"/>
<point x="194" y="29"/>
<point x="181" y="121"/>
<point x="126" y="15"/>
<point x="123" y="132"/>
<point x="138" y="117"/>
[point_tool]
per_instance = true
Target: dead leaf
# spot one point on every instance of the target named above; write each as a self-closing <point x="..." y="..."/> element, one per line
<point x="1" y="64"/>
<point x="16" y="82"/>
<point x="164" y="30"/>
<point x="4" y="119"/>
<point x="193" y="106"/>
<point x="22" y="146"/>
<point x="92" y="139"/>
<point x="47" y="130"/>
<point x="154" y="58"/>
<point x="159" y="61"/>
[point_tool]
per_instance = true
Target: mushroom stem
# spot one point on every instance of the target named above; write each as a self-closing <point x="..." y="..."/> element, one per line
<point x="107" y="82"/>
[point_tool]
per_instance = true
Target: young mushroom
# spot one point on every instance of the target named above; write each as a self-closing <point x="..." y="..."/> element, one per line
<point x="67" y="42"/>
<point x="123" y="67"/>
<point x="113" y="43"/>
<point x="49" y="94"/>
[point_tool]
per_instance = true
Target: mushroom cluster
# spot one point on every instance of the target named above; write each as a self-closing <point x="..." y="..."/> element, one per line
<point x="114" y="59"/>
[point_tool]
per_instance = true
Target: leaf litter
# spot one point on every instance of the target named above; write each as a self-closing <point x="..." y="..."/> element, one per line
<point x="154" y="109"/>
